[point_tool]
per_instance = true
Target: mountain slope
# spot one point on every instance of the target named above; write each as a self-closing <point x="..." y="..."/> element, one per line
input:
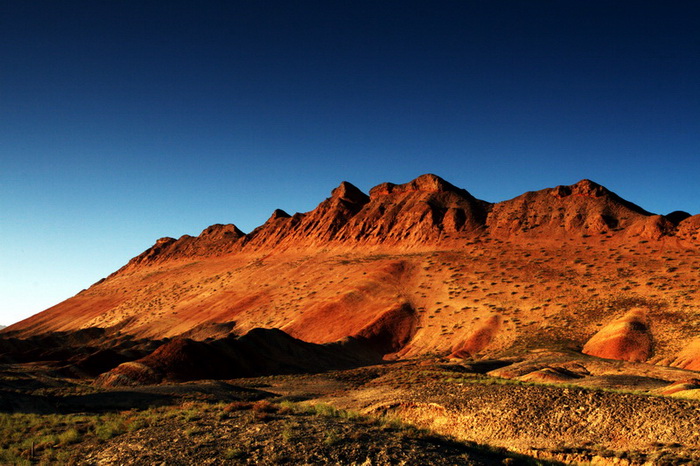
<point x="416" y="267"/>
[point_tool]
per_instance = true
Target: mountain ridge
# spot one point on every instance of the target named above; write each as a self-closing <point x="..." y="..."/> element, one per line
<point x="429" y="209"/>
<point x="413" y="268"/>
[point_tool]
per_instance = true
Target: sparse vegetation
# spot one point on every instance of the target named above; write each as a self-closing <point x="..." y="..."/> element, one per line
<point x="548" y="295"/>
<point x="303" y="427"/>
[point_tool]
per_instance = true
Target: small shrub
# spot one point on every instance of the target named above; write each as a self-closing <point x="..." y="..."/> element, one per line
<point x="289" y="433"/>
<point x="331" y="438"/>
<point x="237" y="406"/>
<point x="287" y="407"/>
<point x="136" y="424"/>
<point x="109" y="429"/>
<point x="323" y="409"/>
<point x="391" y="423"/>
<point x="192" y="431"/>
<point x="68" y="437"/>
<point x="264" y="406"/>
<point x="235" y="453"/>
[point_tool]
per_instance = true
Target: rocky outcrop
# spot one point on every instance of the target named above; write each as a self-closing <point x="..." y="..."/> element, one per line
<point x="550" y="375"/>
<point x="678" y="388"/>
<point x="421" y="211"/>
<point x="627" y="339"/>
<point x="653" y="227"/>
<point x="391" y="331"/>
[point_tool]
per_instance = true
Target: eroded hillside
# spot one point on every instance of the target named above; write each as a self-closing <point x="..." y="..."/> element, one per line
<point x="419" y="268"/>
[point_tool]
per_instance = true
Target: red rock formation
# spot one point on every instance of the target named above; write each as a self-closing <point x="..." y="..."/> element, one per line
<point x="680" y="386"/>
<point x="319" y="226"/>
<point x="653" y="227"/>
<point x="347" y="269"/>
<point x="391" y="331"/>
<point x="478" y="340"/>
<point x="424" y="210"/>
<point x="421" y="211"/>
<point x="627" y="339"/>
<point x="689" y="357"/>
<point x="550" y="375"/>
<point x="582" y="208"/>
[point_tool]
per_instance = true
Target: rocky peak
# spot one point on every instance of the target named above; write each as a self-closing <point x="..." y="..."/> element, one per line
<point x="219" y="231"/>
<point x="164" y="240"/>
<point x="277" y="214"/>
<point x="677" y="216"/>
<point x="427" y="183"/>
<point x="349" y="192"/>
<point x="586" y="188"/>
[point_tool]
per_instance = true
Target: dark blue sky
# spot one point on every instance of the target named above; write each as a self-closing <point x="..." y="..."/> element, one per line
<point x="123" y="121"/>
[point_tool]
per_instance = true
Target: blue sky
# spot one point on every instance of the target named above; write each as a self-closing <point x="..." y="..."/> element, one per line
<point x="125" y="121"/>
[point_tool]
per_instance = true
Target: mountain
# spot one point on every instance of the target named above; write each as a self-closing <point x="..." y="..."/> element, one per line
<point x="415" y="214"/>
<point x="584" y="207"/>
<point x="409" y="269"/>
<point x="428" y="211"/>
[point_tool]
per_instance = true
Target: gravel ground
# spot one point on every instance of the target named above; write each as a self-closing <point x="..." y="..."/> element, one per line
<point x="251" y="437"/>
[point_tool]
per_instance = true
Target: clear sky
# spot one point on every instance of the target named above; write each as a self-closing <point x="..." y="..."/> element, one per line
<point x="125" y="121"/>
